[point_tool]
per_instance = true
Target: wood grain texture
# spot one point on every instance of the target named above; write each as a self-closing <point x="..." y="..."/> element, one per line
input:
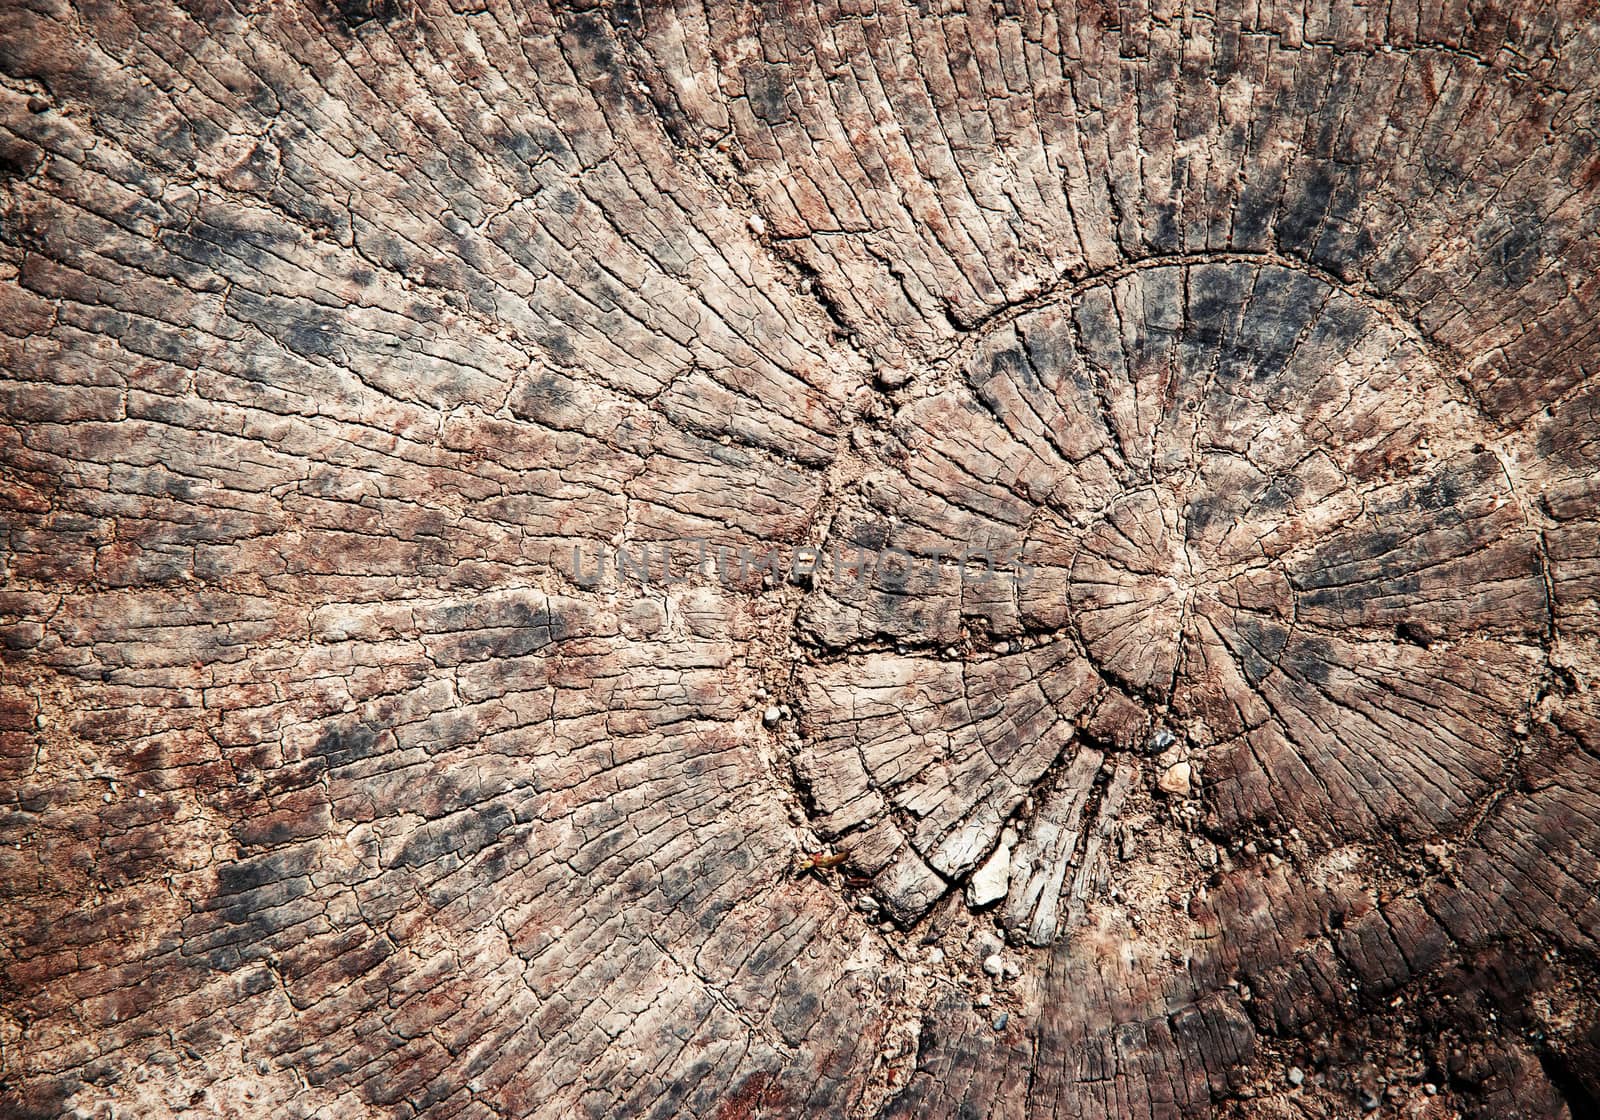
<point x="858" y="559"/>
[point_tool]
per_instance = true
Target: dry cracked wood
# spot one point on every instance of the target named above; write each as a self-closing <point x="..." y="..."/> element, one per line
<point x="933" y="560"/>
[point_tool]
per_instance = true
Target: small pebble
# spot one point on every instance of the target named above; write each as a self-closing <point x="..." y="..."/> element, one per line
<point x="891" y="377"/>
<point x="993" y="964"/>
<point x="936" y="955"/>
<point x="1161" y="740"/>
<point x="1175" y="780"/>
<point x="983" y="1000"/>
<point x="1430" y="1088"/>
<point x="771" y="716"/>
<point x="1297" y="1076"/>
<point x="1001" y="1020"/>
<point x="1012" y="970"/>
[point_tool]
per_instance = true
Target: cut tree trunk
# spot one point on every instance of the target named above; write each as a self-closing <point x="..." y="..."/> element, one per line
<point x="882" y="560"/>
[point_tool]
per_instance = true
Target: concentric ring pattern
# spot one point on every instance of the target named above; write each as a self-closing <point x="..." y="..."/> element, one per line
<point x="1242" y="505"/>
<point x="343" y="343"/>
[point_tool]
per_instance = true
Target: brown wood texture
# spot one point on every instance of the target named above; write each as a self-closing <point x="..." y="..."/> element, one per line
<point x="1119" y="485"/>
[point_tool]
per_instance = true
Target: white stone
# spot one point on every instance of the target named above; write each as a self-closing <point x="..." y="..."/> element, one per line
<point x="1175" y="779"/>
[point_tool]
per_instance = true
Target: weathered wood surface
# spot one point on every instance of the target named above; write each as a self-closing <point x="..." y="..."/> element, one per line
<point x="1254" y="345"/>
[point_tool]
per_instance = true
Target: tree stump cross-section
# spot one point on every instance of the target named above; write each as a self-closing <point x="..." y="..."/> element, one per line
<point x="896" y="559"/>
